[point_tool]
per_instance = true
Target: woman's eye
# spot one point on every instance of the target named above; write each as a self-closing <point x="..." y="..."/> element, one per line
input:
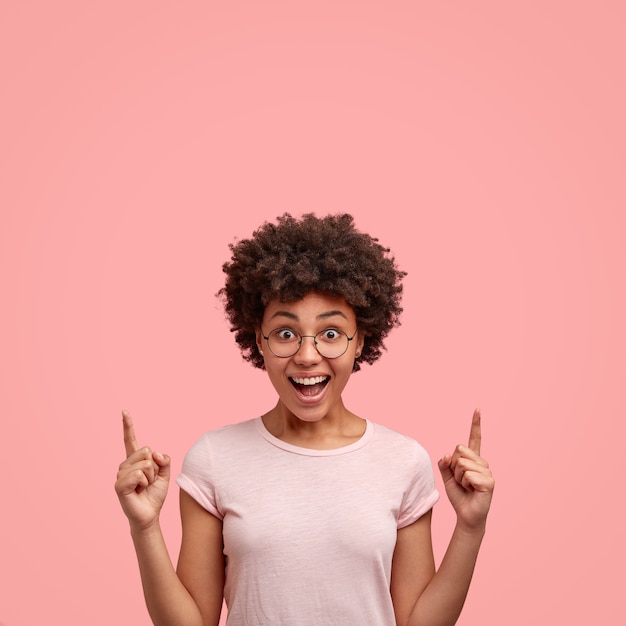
<point x="331" y="334"/>
<point x="285" y="334"/>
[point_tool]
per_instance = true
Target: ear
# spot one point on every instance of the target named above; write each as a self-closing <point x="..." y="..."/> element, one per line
<point x="259" y="341"/>
<point x="360" y="342"/>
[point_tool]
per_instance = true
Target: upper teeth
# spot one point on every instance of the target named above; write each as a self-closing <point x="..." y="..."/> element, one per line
<point x="310" y="381"/>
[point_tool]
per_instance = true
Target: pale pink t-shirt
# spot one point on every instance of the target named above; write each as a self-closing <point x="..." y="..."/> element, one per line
<point x="309" y="534"/>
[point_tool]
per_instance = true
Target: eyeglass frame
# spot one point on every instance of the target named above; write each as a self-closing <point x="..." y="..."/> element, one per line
<point x="267" y="338"/>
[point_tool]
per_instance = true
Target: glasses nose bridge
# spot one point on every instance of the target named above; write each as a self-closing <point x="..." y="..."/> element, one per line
<point x="303" y="337"/>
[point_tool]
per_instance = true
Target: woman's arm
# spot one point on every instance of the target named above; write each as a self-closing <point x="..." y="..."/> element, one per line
<point x="422" y="597"/>
<point x="413" y="566"/>
<point x="438" y="602"/>
<point x="169" y="602"/>
<point x="192" y="595"/>
<point x="201" y="560"/>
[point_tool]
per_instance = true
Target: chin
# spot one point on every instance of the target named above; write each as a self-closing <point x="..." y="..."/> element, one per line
<point x="308" y="414"/>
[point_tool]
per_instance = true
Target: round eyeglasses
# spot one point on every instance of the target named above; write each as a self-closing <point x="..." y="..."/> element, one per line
<point x="330" y="343"/>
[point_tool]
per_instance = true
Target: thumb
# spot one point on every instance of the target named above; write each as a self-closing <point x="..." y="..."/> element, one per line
<point x="444" y="467"/>
<point x="164" y="462"/>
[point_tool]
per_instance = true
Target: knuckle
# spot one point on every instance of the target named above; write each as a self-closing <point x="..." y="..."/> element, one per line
<point x="462" y="461"/>
<point x="141" y="465"/>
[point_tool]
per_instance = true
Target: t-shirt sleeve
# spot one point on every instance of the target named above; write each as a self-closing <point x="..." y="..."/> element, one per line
<point x="421" y="493"/>
<point x="197" y="476"/>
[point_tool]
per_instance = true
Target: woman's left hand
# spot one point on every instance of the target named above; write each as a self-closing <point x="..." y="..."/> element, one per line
<point x="468" y="480"/>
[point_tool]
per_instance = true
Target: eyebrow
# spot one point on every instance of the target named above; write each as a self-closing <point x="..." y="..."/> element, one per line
<point x="321" y="316"/>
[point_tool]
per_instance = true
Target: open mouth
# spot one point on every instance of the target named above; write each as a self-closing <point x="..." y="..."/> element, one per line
<point x="310" y="386"/>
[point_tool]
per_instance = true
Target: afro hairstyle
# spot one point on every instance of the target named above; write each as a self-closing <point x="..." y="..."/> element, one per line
<point x="293" y="257"/>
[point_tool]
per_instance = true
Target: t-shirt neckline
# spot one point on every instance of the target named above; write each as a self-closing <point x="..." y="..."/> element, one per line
<point x="288" y="447"/>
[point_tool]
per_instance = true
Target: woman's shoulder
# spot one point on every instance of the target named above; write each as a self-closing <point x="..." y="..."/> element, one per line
<point x="235" y="433"/>
<point x="397" y="443"/>
<point x="222" y="447"/>
<point x="386" y="433"/>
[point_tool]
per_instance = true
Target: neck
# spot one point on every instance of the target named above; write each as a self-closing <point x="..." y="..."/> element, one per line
<point x="336" y="429"/>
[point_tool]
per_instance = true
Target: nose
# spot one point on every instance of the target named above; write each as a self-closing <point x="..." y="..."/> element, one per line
<point x="307" y="352"/>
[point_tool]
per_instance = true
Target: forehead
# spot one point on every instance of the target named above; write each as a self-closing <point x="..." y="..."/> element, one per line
<point x="314" y="307"/>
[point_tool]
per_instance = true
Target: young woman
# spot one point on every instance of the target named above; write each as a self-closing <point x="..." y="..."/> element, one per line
<point x="308" y="514"/>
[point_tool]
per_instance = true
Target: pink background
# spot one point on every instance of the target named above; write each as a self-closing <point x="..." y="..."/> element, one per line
<point x="484" y="142"/>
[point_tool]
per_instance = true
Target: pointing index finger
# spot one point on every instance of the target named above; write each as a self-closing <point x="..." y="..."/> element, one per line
<point x="130" y="441"/>
<point x="475" y="434"/>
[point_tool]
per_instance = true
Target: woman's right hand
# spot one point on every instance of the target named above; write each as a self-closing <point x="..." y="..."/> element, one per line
<point x="142" y="480"/>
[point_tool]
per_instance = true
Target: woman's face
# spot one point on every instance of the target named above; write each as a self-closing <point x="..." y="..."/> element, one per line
<point x="308" y="384"/>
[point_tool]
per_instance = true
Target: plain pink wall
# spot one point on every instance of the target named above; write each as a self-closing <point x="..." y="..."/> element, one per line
<point x="484" y="142"/>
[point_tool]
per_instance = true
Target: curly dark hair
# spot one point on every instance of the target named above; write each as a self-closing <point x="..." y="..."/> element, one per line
<point x="294" y="257"/>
